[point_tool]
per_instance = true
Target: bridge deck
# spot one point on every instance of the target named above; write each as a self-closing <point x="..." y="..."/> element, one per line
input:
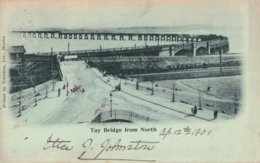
<point x="165" y="47"/>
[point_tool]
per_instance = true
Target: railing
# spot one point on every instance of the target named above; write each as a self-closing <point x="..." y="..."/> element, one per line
<point x="150" y="58"/>
<point x="218" y="42"/>
<point x="188" y="74"/>
<point x="28" y="68"/>
<point x="213" y="43"/>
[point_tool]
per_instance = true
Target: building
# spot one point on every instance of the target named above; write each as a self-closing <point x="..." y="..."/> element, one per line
<point x="16" y="53"/>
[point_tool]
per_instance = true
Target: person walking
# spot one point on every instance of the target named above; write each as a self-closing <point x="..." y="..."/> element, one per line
<point x="215" y="114"/>
<point x="195" y="110"/>
<point x="59" y="92"/>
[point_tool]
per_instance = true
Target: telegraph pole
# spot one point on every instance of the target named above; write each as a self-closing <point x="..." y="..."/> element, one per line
<point x="52" y="60"/>
<point x="173" y="93"/>
<point x="236" y="103"/>
<point x="152" y="88"/>
<point x="68" y="48"/>
<point x="220" y="61"/>
<point x="158" y="40"/>
<point x="200" y="100"/>
<point x="52" y="72"/>
<point x="137" y="84"/>
<point x="20" y="103"/>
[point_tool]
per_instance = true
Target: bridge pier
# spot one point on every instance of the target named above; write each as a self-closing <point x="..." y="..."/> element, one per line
<point x="130" y="37"/>
<point x="157" y="38"/>
<point x="139" y="37"/>
<point x="168" y="38"/>
<point x="105" y="37"/>
<point x="170" y="50"/>
<point x="208" y="48"/>
<point x="86" y="36"/>
<point x="98" y="37"/>
<point x="162" y="38"/>
<point x="39" y="35"/>
<point x="121" y="37"/>
<point x="113" y="37"/>
<point x="92" y="37"/>
<point x="193" y="49"/>
<point x="45" y="35"/>
<point x="145" y="38"/>
<point x="151" y="38"/>
<point x="174" y="38"/>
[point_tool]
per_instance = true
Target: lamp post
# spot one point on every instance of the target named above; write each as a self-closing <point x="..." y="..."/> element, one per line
<point x="110" y="104"/>
<point x="35" y="95"/>
<point x="137" y="84"/>
<point x="200" y="106"/>
<point x="20" y="102"/>
<point x="67" y="85"/>
<point x="152" y="87"/>
<point x="120" y="75"/>
<point x="173" y="93"/>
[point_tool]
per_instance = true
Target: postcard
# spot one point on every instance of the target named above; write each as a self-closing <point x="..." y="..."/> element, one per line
<point x="129" y="81"/>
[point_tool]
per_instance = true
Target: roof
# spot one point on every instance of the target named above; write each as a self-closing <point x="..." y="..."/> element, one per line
<point x="16" y="49"/>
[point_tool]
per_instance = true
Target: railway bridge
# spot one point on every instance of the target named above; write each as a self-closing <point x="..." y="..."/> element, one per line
<point x="175" y="44"/>
<point x="126" y="36"/>
<point x="192" y="49"/>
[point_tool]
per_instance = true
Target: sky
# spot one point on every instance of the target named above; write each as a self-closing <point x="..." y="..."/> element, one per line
<point x="105" y="15"/>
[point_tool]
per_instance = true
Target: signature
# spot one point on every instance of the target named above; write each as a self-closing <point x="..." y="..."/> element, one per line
<point x="95" y="152"/>
<point x="58" y="143"/>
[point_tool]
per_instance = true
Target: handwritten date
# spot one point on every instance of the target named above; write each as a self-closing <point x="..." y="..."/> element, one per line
<point x="184" y="131"/>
